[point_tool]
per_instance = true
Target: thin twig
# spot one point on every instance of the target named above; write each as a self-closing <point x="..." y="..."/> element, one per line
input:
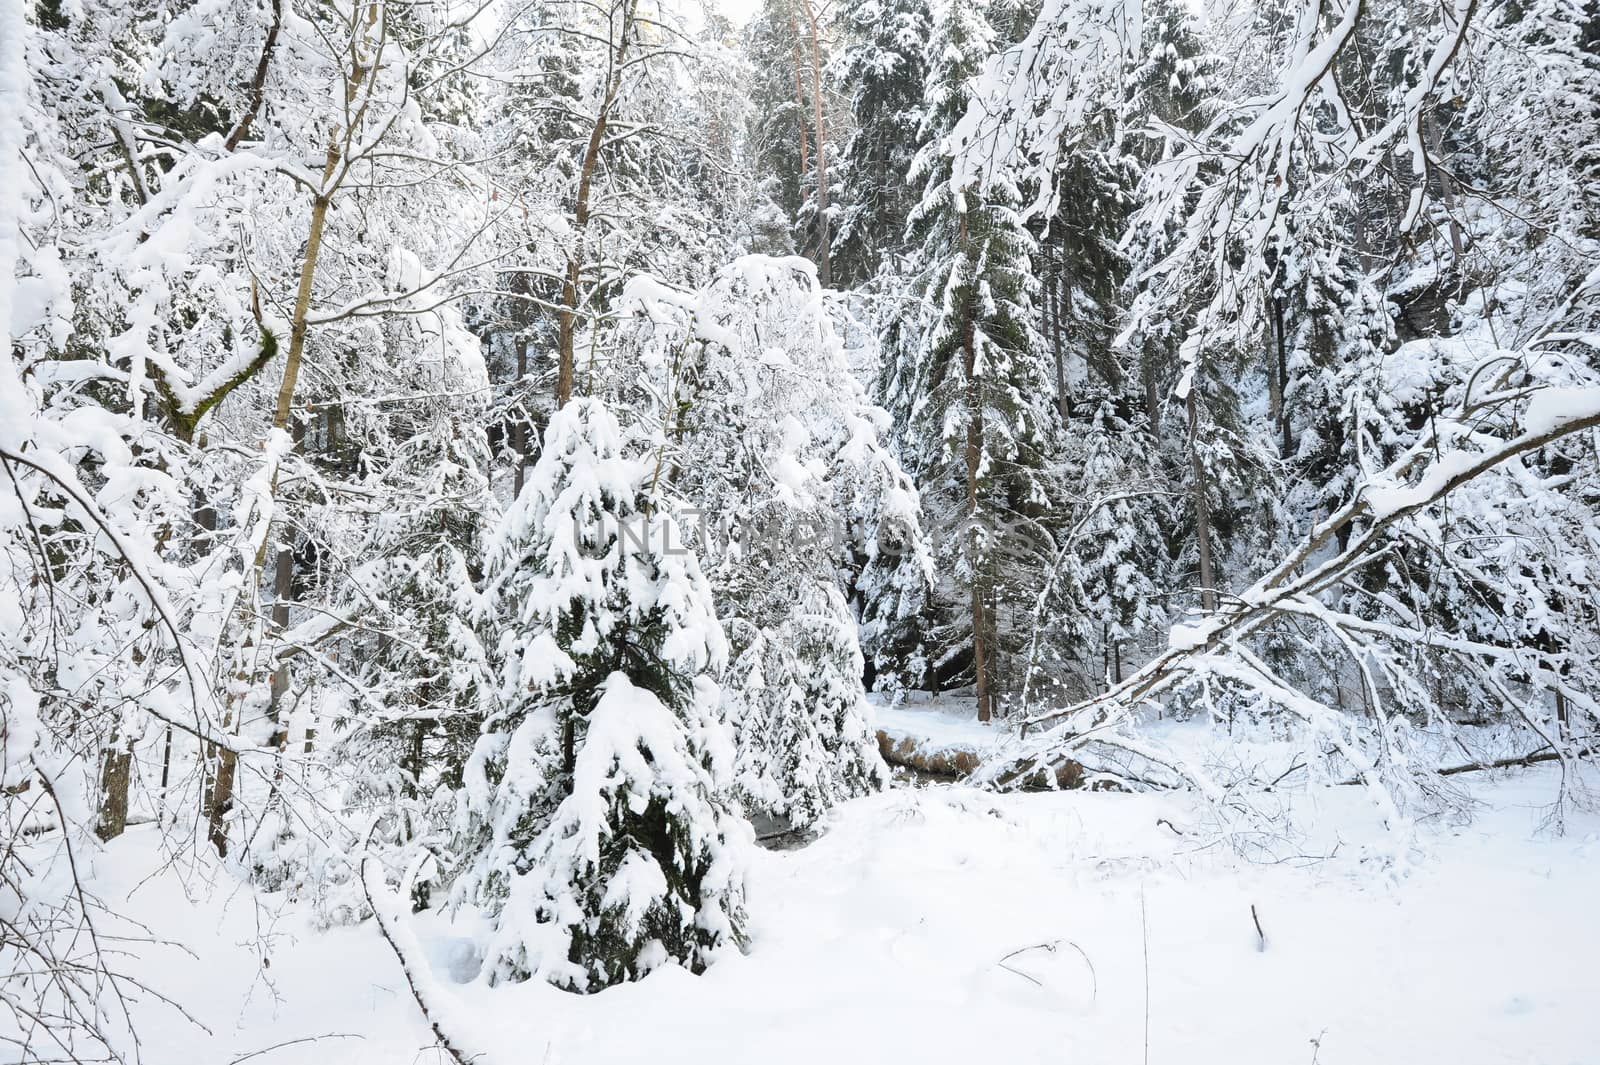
<point x="1144" y="930"/>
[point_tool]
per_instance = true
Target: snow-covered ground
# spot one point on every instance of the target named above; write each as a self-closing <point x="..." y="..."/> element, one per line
<point x="950" y="925"/>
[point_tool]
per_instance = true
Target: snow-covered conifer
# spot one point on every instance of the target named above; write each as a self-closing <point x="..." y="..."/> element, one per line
<point x="881" y="66"/>
<point x="965" y="374"/>
<point x="745" y="388"/>
<point x="597" y="832"/>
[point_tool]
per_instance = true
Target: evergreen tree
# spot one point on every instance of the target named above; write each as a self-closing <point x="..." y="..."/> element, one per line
<point x="792" y="141"/>
<point x="760" y="424"/>
<point x="882" y="68"/>
<point x="1172" y="95"/>
<point x="966" y="377"/>
<point x="1336" y="331"/>
<point x="1084" y="270"/>
<point x="1104" y="593"/>
<point x="598" y="838"/>
<point x="1218" y="459"/>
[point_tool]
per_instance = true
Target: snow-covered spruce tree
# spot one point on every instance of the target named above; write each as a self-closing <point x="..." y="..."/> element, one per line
<point x="1082" y="266"/>
<point x="1175" y="82"/>
<point x="1336" y="421"/>
<point x="595" y="832"/>
<point x="965" y="373"/>
<point x="1083" y="272"/>
<point x="1101" y="595"/>
<point x="1197" y="371"/>
<point x="780" y="141"/>
<point x="1216" y="459"/>
<point x="794" y="692"/>
<point x="1107" y="563"/>
<point x="881" y="67"/>
<point x="746" y="389"/>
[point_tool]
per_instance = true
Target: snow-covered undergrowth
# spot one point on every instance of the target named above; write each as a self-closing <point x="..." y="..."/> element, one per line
<point x="950" y="925"/>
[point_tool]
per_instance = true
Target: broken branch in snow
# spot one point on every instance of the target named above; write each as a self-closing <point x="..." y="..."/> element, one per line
<point x="391" y="925"/>
<point x="1052" y="946"/>
<point x="1520" y="761"/>
<point x="1439" y="463"/>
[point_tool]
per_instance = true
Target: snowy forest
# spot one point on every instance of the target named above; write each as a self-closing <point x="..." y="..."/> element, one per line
<point x="864" y="530"/>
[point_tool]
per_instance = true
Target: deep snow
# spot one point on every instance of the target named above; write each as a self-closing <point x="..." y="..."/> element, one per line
<point x="909" y="932"/>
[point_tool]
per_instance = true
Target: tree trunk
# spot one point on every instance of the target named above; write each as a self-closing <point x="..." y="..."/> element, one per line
<point x="1286" y="448"/>
<point x="259" y="82"/>
<point x="567" y="317"/>
<point x="302" y="299"/>
<point x="116" y="773"/>
<point x="1274" y="357"/>
<point x="974" y="458"/>
<point x="1202" y="506"/>
<point x="824" y="240"/>
<point x="282" y="585"/>
<point x="980" y="650"/>
<point x="800" y="103"/>
<point x="1063" y="282"/>
<point x="519" y="428"/>
<point x="1057" y="340"/>
<point x="218" y="799"/>
<point x="1150" y="378"/>
<point x="1447" y="191"/>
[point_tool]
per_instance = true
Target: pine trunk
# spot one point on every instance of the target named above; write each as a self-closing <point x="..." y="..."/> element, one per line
<point x="974" y="457"/>
<point x="1149" y="377"/>
<point x="824" y="240"/>
<point x="1274" y="357"/>
<point x="1202" y="507"/>
<point x="1286" y="448"/>
<point x="519" y="427"/>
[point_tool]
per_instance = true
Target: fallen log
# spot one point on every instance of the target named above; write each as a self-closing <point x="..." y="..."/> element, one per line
<point x="956" y="762"/>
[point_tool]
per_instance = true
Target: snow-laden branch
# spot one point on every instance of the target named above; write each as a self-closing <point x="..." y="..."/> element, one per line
<point x="1436" y="466"/>
<point x="390" y="916"/>
<point x="55" y="470"/>
<point x="1032" y="100"/>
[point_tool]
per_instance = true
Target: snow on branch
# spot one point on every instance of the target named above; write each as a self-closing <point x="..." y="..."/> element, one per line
<point x="431" y="999"/>
<point x="1031" y="100"/>
<point x="1454" y="453"/>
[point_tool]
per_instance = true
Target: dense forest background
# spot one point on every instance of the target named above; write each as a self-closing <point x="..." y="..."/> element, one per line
<point x="499" y="448"/>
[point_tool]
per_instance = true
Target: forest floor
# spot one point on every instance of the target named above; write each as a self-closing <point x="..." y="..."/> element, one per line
<point x="944" y="924"/>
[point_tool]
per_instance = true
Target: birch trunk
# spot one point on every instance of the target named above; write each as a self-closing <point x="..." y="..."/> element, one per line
<point x="217" y="795"/>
